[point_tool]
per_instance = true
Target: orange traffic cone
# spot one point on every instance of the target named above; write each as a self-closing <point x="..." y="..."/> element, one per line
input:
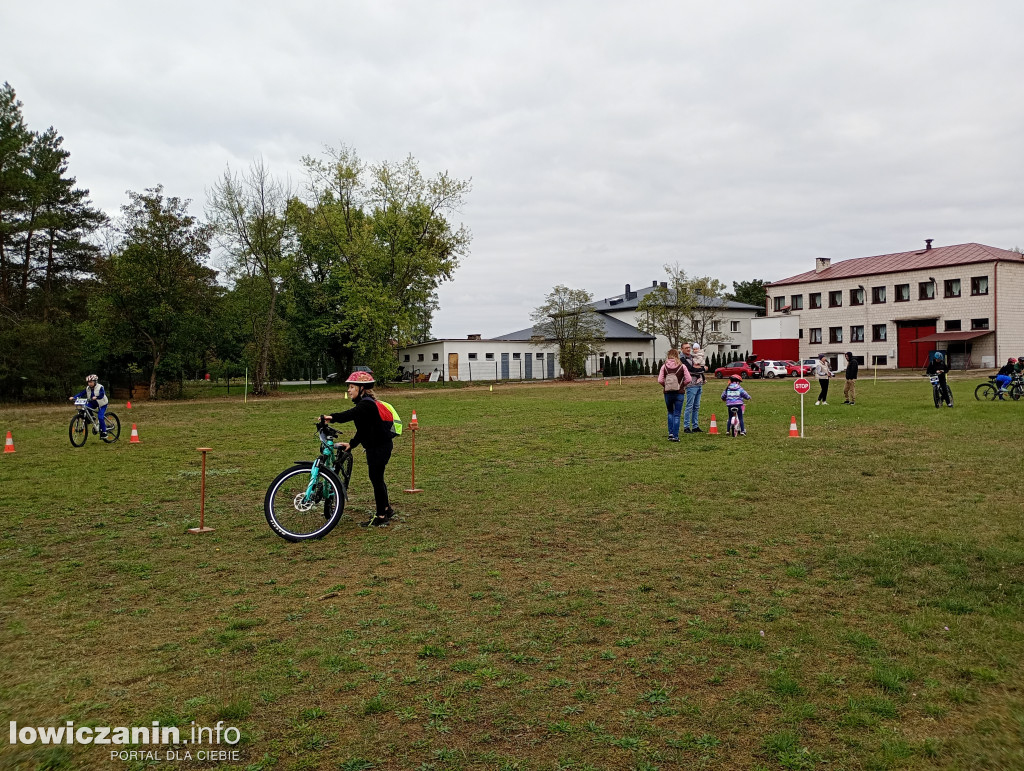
<point x="713" y="428"/>
<point x="129" y="405"/>
<point x="135" y="436"/>
<point x="792" y="427"/>
<point x="9" y="443"/>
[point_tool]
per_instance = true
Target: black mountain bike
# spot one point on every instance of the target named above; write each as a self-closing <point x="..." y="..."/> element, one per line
<point x="989" y="391"/>
<point x="87" y="417"/>
<point x="939" y="393"/>
<point x="306" y="501"/>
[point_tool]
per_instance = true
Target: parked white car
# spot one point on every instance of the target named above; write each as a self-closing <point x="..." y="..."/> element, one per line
<point x="773" y="369"/>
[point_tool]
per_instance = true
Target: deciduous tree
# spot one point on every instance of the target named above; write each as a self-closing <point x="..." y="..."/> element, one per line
<point x="567" y="319"/>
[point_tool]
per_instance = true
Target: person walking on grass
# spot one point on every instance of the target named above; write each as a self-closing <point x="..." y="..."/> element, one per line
<point x="673" y="378"/>
<point x="850" y="389"/>
<point x="693" y="359"/>
<point x="823" y="373"/>
<point x="374" y="435"/>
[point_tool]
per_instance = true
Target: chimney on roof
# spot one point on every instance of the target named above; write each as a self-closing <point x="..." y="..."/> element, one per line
<point x="927" y="244"/>
<point x="821" y="263"/>
<point x="629" y="294"/>
<point x="664" y="285"/>
<point x="474" y="337"/>
<point x="654" y="285"/>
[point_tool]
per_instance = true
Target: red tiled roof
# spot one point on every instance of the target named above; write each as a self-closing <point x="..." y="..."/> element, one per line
<point x="937" y="257"/>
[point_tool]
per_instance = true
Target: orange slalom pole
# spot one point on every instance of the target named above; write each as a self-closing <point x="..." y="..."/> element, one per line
<point x="202" y="498"/>
<point x="414" y="426"/>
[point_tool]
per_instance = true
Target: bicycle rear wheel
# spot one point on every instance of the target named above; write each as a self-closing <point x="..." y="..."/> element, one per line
<point x="297" y="510"/>
<point x="113" y="425"/>
<point x="78" y="431"/>
<point x="986" y="392"/>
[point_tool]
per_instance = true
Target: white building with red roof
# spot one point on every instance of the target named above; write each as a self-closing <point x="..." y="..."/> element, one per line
<point x="894" y="309"/>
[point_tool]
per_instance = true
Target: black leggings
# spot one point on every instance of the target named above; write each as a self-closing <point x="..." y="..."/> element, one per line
<point x="823" y="382"/>
<point x="377" y="463"/>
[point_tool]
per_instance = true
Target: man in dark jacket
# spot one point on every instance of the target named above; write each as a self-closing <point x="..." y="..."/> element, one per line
<point x="374" y="435"/>
<point x="850" y="390"/>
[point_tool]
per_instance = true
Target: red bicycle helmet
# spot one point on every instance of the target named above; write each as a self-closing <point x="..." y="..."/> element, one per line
<point x="735" y="379"/>
<point x="360" y="378"/>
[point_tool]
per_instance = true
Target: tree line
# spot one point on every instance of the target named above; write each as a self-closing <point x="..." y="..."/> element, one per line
<point x="345" y="268"/>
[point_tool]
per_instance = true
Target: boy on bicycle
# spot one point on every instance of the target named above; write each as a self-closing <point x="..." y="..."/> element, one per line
<point x="1005" y="376"/>
<point x="97" y="400"/>
<point x="734" y="396"/>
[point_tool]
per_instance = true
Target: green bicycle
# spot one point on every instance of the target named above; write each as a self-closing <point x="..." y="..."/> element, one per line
<point x="306" y="501"/>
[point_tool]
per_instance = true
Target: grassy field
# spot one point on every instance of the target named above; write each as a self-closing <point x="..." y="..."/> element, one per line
<point x="572" y="591"/>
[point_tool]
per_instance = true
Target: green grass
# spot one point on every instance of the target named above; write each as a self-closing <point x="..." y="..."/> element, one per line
<point x="571" y="590"/>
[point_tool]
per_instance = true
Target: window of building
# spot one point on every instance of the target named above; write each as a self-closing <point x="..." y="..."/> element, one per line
<point x="734" y="347"/>
<point x="721" y="349"/>
<point x="814" y="299"/>
<point x="516" y="356"/>
<point x="835" y="334"/>
<point x="627" y="354"/>
<point x="835" y="299"/>
<point x="472" y="357"/>
<point x="979" y="323"/>
<point x="696" y="328"/>
<point x="952" y="325"/>
<point x="951" y="287"/>
<point x="489" y="356"/>
<point x="877" y="295"/>
<point x="979" y="285"/>
<point x="434" y="357"/>
<point x="857" y="334"/>
<point x="780" y="303"/>
<point x="859" y="360"/>
<point x="734" y="326"/>
<point x="926" y="290"/>
<point x="715" y="325"/>
<point x="796" y="302"/>
<point x="406" y="357"/>
<point x="419" y="357"/>
<point x="902" y="293"/>
<point x="878" y="333"/>
<point x="815" y="335"/>
<point x="879" y="361"/>
<point x="540" y="356"/>
<point x="801" y="335"/>
<point x="856" y="297"/>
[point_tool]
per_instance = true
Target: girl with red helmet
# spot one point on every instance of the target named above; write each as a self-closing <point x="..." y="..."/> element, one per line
<point x="375" y="437"/>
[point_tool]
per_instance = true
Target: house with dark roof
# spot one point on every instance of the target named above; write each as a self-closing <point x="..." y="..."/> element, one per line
<point x="892" y="310"/>
<point x="523" y="355"/>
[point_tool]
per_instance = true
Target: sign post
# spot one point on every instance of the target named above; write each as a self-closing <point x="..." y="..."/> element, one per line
<point x="801" y="385"/>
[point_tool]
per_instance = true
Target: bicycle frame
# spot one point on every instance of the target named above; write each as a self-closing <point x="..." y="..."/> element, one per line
<point x="328" y="454"/>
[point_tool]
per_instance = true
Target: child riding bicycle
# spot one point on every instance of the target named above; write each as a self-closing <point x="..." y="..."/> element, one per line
<point x="97" y="400"/>
<point x="734" y="396"/>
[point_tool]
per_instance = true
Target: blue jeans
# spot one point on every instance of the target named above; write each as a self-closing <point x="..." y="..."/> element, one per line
<point x="674" y="404"/>
<point x="692" y="406"/>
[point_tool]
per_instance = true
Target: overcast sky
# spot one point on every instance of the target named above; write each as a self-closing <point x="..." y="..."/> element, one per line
<point x="741" y="139"/>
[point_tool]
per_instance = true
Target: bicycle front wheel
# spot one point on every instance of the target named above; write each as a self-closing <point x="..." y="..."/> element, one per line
<point x="986" y="392"/>
<point x="299" y="507"/>
<point x="113" y="425"/>
<point x="78" y="431"/>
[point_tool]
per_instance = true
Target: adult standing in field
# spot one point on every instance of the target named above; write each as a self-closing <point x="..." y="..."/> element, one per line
<point x="673" y="377"/>
<point x="823" y="372"/>
<point x="850" y="389"/>
<point x="374" y="434"/>
<point x="693" y="359"/>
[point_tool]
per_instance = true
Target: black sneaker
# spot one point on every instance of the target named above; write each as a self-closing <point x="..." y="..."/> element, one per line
<point x="687" y="431"/>
<point x="673" y="438"/>
<point x="374" y="521"/>
<point x="696" y="430"/>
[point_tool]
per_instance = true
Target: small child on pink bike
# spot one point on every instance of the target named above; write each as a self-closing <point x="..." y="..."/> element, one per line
<point x="734" y="396"/>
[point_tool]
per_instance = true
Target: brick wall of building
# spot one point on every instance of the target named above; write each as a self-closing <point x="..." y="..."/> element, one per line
<point x="1010" y="321"/>
<point x="964" y="309"/>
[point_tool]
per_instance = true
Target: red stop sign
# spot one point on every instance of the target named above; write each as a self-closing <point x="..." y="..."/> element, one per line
<point x="801" y="385"/>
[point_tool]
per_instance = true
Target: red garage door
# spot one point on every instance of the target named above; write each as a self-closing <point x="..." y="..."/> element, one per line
<point x="913" y="354"/>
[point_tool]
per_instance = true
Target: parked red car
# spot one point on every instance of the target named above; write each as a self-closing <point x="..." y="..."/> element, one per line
<point x="735" y="368"/>
<point x="793" y="368"/>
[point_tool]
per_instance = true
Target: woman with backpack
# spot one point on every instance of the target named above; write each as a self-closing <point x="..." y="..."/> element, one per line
<point x="373" y="432"/>
<point x="674" y="377"/>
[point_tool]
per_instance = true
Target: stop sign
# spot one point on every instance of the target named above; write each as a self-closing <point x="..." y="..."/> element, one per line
<point x="801" y="385"/>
